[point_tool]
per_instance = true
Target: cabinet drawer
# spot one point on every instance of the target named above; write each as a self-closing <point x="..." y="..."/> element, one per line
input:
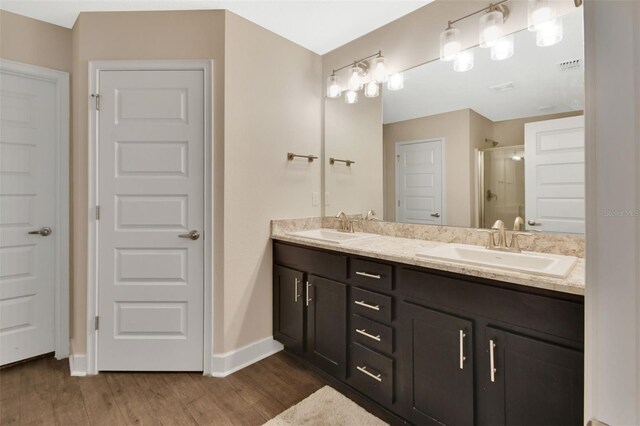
<point x="371" y="305"/>
<point x="372" y="334"/>
<point x="372" y="374"/>
<point x="317" y="262"/>
<point x="374" y="275"/>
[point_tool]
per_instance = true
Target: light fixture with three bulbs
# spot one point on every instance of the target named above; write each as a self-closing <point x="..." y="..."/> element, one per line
<point x="366" y="74"/>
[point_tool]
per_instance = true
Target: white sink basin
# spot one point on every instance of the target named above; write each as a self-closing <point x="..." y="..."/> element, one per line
<point x="551" y="265"/>
<point x="331" y="236"/>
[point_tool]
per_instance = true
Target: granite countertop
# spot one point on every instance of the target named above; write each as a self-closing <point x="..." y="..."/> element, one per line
<point x="403" y="250"/>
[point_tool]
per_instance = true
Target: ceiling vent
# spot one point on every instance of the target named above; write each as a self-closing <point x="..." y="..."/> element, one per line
<point x="570" y="65"/>
<point x="503" y="87"/>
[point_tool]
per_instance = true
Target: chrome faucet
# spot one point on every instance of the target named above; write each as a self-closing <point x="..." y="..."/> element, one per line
<point x="371" y="215"/>
<point x="518" y="224"/>
<point x="345" y="224"/>
<point x="502" y="238"/>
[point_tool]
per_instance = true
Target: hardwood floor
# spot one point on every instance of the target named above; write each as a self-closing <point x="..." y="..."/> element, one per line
<point x="42" y="392"/>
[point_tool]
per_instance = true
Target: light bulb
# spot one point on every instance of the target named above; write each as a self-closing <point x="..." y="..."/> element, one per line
<point x="333" y="88"/>
<point x="549" y="33"/>
<point x="396" y="81"/>
<point x="463" y="61"/>
<point x="539" y="12"/>
<point x="379" y="72"/>
<point x="351" y="97"/>
<point x="356" y="75"/>
<point x="491" y="28"/>
<point x="450" y="44"/>
<point x="371" y="89"/>
<point x="503" y="48"/>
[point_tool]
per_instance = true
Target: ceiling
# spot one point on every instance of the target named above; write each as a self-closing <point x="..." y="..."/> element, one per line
<point x="318" y="25"/>
<point x="540" y="86"/>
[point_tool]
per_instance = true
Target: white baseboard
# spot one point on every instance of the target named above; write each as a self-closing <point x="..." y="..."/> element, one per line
<point x="78" y="364"/>
<point x="229" y="362"/>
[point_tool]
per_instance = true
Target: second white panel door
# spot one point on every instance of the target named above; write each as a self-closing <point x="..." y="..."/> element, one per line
<point x="151" y="196"/>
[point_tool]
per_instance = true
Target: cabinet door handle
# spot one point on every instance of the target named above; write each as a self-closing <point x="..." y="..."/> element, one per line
<point x="364" y="370"/>
<point x="462" y="357"/>
<point x="366" y="305"/>
<point x="492" y="366"/>
<point x="295" y="292"/>
<point x="365" y="274"/>
<point x="308" y="299"/>
<point x="370" y="336"/>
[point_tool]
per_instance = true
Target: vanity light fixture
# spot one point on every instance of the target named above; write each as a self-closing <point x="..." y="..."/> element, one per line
<point x="366" y="73"/>
<point x="491" y="28"/>
<point x="464" y="61"/>
<point x="450" y="44"/>
<point x="503" y="48"/>
<point x="333" y="86"/>
<point x="372" y="89"/>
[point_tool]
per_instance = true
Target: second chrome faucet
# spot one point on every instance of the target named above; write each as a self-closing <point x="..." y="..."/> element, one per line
<point x="501" y="245"/>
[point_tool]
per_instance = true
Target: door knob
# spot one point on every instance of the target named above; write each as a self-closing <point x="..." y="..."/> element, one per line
<point x="435" y="214"/>
<point x="193" y="235"/>
<point x="533" y="223"/>
<point x="45" y="231"/>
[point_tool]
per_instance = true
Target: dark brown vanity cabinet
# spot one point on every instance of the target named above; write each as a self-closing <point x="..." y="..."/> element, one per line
<point x="430" y="346"/>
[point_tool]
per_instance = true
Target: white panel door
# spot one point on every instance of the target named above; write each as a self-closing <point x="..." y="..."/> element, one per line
<point x="28" y="132"/>
<point x="419" y="182"/>
<point x="151" y="195"/>
<point x="554" y="175"/>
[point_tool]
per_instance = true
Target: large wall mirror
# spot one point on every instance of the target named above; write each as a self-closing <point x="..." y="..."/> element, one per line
<point x="502" y="140"/>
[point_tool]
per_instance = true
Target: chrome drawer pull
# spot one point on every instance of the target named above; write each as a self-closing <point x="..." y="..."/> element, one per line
<point x="492" y="365"/>
<point x="377" y="377"/>
<point x="462" y="357"/>
<point x="370" y="336"/>
<point x="366" y="305"/>
<point x="364" y="274"/>
<point x="308" y="298"/>
<point x="295" y="291"/>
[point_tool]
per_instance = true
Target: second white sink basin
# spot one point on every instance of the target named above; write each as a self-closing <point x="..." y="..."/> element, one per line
<point x="551" y="265"/>
<point x="331" y="236"/>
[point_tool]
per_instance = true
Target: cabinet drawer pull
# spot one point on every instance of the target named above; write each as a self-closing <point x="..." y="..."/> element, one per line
<point x="366" y="305"/>
<point x="462" y="357"/>
<point x="364" y="274"/>
<point x="370" y="336"/>
<point x="295" y="292"/>
<point x="492" y="366"/>
<point x="363" y="369"/>
<point x="308" y="298"/>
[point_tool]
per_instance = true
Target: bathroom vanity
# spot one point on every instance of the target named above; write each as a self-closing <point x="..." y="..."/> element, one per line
<point x="433" y="344"/>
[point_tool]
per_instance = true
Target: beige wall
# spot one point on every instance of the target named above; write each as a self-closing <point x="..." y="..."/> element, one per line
<point x="354" y="132"/>
<point x="273" y="102"/>
<point x="511" y="132"/>
<point x="34" y="42"/>
<point x="454" y="128"/>
<point x="138" y="36"/>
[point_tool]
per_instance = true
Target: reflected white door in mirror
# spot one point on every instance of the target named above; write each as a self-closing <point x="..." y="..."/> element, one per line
<point x="419" y="182"/>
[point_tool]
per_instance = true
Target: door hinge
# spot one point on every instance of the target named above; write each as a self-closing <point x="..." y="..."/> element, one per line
<point x="97" y="323"/>
<point x="97" y="98"/>
<point x="97" y="212"/>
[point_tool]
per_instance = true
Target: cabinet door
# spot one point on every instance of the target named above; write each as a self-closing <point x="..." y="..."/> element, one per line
<point x="288" y="307"/>
<point x="533" y="382"/>
<point x="326" y="302"/>
<point x="436" y="366"/>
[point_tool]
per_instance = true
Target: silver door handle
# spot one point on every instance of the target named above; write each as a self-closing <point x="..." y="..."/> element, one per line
<point x="533" y="223"/>
<point x="462" y="357"/>
<point x="366" y="305"/>
<point x="308" y="299"/>
<point x="295" y="291"/>
<point x="363" y="369"/>
<point x="192" y="235"/>
<point x="370" y="336"/>
<point x="364" y="274"/>
<point x="492" y="364"/>
<point x="45" y="231"/>
<point x="435" y="214"/>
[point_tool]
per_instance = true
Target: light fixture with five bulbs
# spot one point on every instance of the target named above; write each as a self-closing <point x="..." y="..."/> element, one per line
<point x="365" y="74"/>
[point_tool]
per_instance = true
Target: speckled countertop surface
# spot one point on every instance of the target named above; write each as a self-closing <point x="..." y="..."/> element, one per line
<point x="403" y="250"/>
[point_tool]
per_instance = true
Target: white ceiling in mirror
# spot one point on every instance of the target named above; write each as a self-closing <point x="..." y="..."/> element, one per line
<point x="530" y="83"/>
<point x="318" y="25"/>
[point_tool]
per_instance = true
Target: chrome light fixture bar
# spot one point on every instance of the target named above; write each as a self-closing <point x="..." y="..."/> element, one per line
<point x="375" y="66"/>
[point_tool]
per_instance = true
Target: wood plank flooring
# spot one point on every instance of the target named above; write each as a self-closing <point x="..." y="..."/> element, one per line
<point x="42" y="392"/>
